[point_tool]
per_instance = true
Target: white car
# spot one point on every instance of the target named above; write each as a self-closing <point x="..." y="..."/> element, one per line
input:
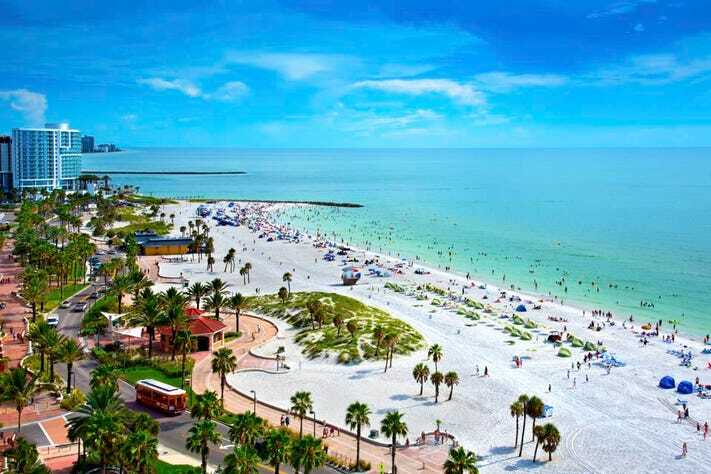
<point x="53" y="320"/>
<point x="65" y="305"/>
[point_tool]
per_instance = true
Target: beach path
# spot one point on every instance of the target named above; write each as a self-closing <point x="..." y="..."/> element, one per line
<point x="410" y="459"/>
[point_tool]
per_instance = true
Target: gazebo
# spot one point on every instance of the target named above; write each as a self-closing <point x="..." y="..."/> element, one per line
<point x="209" y="334"/>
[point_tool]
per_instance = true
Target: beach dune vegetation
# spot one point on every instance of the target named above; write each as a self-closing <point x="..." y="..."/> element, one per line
<point x="313" y="313"/>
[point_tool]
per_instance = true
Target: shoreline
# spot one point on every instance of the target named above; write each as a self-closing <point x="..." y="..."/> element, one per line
<point x="478" y="415"/>
<point x="276" y="201"/>
<point x="196" y="173"/>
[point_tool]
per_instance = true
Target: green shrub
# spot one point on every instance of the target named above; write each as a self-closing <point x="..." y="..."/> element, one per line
<point x="564" y="352"/>
<point x="73" y="401"/>
<point x="526" y="336"/>
<point x="576" y="342"/>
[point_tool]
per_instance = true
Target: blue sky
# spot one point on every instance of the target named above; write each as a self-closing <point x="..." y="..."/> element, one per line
<point x="326" y="73"/>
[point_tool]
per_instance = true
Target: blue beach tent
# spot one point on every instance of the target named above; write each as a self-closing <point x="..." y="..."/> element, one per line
<point x="685" y="387"/>
<point x="667" y="382"/>
<point x="521" y="308"/>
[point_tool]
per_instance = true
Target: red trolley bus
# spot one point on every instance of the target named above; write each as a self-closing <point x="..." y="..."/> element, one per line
<point x="160" y="396"/>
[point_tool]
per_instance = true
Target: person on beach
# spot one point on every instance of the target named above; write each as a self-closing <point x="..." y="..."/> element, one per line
<point x="486" y="371"/>
<point x="684" y="450"/>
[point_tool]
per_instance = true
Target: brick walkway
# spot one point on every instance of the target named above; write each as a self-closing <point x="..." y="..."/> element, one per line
<point x="13" y="315"/>
<point x="409" y="460"/>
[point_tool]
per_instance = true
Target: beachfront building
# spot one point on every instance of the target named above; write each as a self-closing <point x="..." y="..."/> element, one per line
<point x="209" y="334"/>
<point x="5" y="163"/>
<point x="46" y="158"/>
<point x="87" y="144"/>
<point x="152" y="244"/>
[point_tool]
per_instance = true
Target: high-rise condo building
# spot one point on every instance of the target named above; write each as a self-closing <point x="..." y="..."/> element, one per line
<point x="5" y="163"/>
<point x="46" y="158"/>
<point x="87" y="144"/>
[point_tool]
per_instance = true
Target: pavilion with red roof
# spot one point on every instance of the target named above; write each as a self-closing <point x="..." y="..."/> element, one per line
<point x="209" y="333"/>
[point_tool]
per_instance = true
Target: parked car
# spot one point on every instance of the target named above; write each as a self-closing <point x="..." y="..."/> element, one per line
<point x="65" y="304"/>
<point x="53" y="320"/>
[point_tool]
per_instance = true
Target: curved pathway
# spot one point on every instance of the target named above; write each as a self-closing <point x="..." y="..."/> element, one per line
<point x="409" y="460"/>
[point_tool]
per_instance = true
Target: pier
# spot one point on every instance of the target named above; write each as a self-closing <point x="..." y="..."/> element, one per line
<point x="100" y="172"/>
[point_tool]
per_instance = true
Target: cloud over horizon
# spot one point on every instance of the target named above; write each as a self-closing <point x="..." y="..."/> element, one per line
<point x="32" y="105"/>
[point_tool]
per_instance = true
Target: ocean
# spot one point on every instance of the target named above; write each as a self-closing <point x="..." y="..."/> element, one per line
<point x="628" y="230"/>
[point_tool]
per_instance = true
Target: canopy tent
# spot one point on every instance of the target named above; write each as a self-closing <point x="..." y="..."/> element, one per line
<point x="130" y="332"/>
<point x="685" y="387"/>
<point x="521" y="308"/>
<point x="667" y="382"/>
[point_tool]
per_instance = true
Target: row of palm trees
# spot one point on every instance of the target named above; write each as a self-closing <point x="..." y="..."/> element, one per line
<point x="54" y="347"/>
<point x="254" y="441"/>
<point x="216" y="297"/>
<point x="421" y="373"/>
<point x="547" y="435"/>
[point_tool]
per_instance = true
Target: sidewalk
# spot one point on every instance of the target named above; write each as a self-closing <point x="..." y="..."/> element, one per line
<point x="409" y="460"/>
<point x="13" y="316"/>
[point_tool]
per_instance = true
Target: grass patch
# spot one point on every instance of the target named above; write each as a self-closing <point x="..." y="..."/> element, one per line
<point x="162" y="467"/>
<point x="54" y="297"/>
<point x="149" y="200"/>
<point x="140" y="372"/>
<point x="137" y="222"/>
<point x="325" y="339"/>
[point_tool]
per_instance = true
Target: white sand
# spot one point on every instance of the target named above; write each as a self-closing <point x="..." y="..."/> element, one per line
<point x="613" y="422"/>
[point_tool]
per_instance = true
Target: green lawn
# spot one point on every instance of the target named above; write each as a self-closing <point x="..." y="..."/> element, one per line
<point x="165" y="468"/>
<point x="134" y="374"/>
<point x="326" y="339"/>
<point x="54" y="298"/>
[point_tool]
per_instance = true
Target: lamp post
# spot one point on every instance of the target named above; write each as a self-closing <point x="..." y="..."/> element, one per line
<point x="313" y="415"/>
<point x="254" y="401"/>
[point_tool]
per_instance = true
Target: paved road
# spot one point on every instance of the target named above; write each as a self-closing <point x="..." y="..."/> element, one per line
<point x="173" y="429"/>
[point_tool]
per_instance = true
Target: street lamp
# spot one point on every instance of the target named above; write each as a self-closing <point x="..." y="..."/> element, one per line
<point x="254" y="401"/>
<point x="313" y="415"/>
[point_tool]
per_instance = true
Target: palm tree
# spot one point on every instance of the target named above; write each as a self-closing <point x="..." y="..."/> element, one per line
<point x="307" y="454"/>
<point x="147" y="313"/>
<point x="248" y="270"/>
<point x="23" y="458"/>
<point x="140" y="451"/>
<point x="201" y="435"/>
<point x="539" y="434"/>
<point x="421" y="373"/>
<point x="301" y="404"/>
<point x="357" y="416"/>
<point x="286" y="278"/>
<point x="197" y="291"/>
<point x="338" y="323"/>
<point x="435" y="353"/>
<point x="387" y="341"/>
<point x="460" y="461"/>
<point x="451" y="379"/>
<point x="215" y="302"/>
<point x="38" y="335"/>
<point x="517" y="412"/>
<point x="393" y="426"/>
<point x="34" y="290"/>
<point x="392" y="344"/>
<point x="104" y="375"/>
<point x="18" y="386"/>
<point x="243" y="274"/>
<point x="437" y="378"/>
<point x="223" y="363"/>
<point x="378" y="335"/>
<point x="551" y="439"/>
<point x="247" y="428"/>
<point x="523" y="400"/>
<point x="218" y="286"/>
<point x="69" y="352"/>
<point x="173" y="303"/>
<point x="237" y="303"/>
<point x="101" y="424"/>
<point x="352" y="327"/>
<point x="53" y="341"/>
<point x="121" y="285"/>
<point x="277" y="444"/>
<point x="242" y="460"/>
<point x="184" y="345"/>
<point x="210" y="263"/>
<point x="284" y="295"/>
<point x="534" y="409"/>
<point x="206" y="406"/>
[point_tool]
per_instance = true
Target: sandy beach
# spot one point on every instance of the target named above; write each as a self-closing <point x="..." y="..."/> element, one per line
<point x="608" y="421"/>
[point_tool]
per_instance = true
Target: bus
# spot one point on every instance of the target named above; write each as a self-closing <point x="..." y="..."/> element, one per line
<point x="160" y="396"/>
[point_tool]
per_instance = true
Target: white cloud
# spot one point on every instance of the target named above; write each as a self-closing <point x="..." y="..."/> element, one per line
<point x="381" y="122"/>
<point x="465" y="94"/>
<point x="654" y="69"/>
<point x="404" y="70"/>
<point x="293" y="66"/>
<point x="180" y="85"/>
<point x="229" y="92"/>
<point x="31" y="105"/>
<point x="620" y="8"/>
<point x="639" y="27"/>
<point x="499" y="81"/>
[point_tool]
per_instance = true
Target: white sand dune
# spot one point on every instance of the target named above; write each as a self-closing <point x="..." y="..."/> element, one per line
<point x="613" y="422"/>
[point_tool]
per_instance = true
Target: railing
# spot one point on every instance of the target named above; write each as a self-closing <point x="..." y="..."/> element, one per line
<point x="58" y="451"/>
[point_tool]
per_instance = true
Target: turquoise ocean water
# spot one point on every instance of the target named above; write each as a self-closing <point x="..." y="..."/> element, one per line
<point x="600" y="227"/>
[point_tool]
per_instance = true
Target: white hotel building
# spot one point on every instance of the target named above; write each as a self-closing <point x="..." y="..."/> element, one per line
<point x="46" y="158"/>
